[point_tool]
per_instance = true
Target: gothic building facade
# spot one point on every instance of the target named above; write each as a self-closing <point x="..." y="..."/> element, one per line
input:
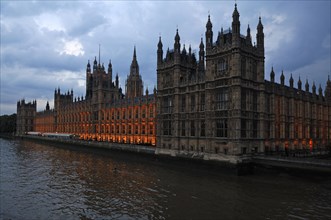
<point x="213" y="105"/>
<point x="105" y="114"/>
<point x="221" y="107"/>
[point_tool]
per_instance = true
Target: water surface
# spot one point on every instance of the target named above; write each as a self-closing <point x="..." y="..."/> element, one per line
<point x="39" y="181"/>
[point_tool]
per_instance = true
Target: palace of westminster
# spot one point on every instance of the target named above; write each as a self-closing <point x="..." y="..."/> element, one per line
<point x="215" y="105"/>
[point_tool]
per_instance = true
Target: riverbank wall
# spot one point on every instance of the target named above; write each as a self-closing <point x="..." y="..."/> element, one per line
<point x="240" y="165"/>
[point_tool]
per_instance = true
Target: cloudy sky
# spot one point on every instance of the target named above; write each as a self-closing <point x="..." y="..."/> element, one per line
<point x="46" y="44"/>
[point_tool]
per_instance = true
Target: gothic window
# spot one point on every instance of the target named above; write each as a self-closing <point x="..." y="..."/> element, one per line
<point x="143" y="129"/>
<point x="203" y="128"/>
<point x="243" y="128"/>
<point x="296" y="131"/>
<point x="221" y="128"/>
<point x="166" y="127"/>
<point x="268" y="127"/>
<point x="167" y="105"/>
<point x="202" y="102"/>
<point x="123" y="129"/>
<point x="287" y="130"/>
<point x="267" y="105"/>
<point x="255" y="101"/>
<point x="183" y="128"/>
<point x="183" y="103"/>
<point x="151" y="129"/>
<point x="192" y="102"/>
<point x="221" y="99"/>
<point x="192" y="129"/>
<point x="137" y="113"/>
<point x="144" y="113"/>
<point x="243" y="99"/>
<point x="151" y="112"/>
<point x="222" y="66"/>
<point x="255" y="128"/>
<point x="136" y="129"/>
<point x="130" y="129"/>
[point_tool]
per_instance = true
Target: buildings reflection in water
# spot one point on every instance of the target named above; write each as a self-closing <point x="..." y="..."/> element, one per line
<point x="72" y="183"/>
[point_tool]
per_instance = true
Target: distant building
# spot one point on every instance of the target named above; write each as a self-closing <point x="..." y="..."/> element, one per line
<point x="26" y="113"/>
<point x="106" y="114"/>
<point x="217" y="106"/>
<point x="220" y="106"/>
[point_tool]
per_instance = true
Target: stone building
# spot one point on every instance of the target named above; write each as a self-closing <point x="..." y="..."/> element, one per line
<point x="214" y="105"/>
<point x="26" y="113"/>
<point x="221" y="107"/>
<point x="105" y="114"/>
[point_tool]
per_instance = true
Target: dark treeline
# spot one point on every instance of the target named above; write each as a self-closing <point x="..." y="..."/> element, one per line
<point x="8" y="123"/>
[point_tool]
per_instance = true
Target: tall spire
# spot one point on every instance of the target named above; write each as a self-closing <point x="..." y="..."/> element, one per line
<point x="209" y="34"/>
<point x="299" y="83"/>
<point x="134" y="68"/>
<point x="282" y="78"/>
<point x="235" y="20"/>
<point x="272" y="75"/>
<point x="260" y="36"/>
<point x="177" y="42"/>
<point x="134" y="53"/>
<point x="248" y="36"/>
<point x="159" y="51"/>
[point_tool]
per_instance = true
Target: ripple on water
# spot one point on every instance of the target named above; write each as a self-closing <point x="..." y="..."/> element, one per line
<point x="72" y="184"/>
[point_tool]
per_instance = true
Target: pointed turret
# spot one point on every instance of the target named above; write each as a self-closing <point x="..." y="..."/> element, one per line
<point x="307" y="86"/>
<point x="110" y="72"/>
<point x="320" y="91"/>
<point x="184" y="50"/>
<point x="116" y="81"/>
<point x="282" y="78"/>
<point x="159" y="52"/>
<point x="110" y="67"/>
<point x="235" y="24"/>
<point x="299" y="84"/>
<point x="134" y="68"/>
<point x="201" y="51"/>
<point x="260" y="36"/>
<point x="177" y="42"/>
<point x="327" y="91"/>
<point x="146" y="92"/>
<point x="47" y="106"/>
<point x="291" y="81"/>
<point x="168" y="54"/>
<point x="209" y="34"/>
<point x="248" y="36"/>
<point x="313" y="88"/>
<point x="88" y="67"/>
<point x="95" y="64"/>
<point x="272" y="75"/>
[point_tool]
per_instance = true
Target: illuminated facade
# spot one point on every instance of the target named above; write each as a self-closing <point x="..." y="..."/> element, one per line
<point x="221" y="107"/>
<point x="106" y="114"/>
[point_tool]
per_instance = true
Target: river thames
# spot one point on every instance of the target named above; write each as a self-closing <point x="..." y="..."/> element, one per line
<point x="40" y="181"/>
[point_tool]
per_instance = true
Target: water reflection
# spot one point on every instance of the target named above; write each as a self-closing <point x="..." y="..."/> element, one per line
<point x="40" y="182"/>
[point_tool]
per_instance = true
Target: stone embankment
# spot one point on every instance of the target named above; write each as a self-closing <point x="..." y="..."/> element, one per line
<point x="243" y="166"/>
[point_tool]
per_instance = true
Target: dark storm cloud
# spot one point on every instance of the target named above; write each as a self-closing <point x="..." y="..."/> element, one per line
<point x="46" y="44"/>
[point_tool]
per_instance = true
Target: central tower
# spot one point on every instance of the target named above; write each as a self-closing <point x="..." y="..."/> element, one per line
<point x="134" y="83"/>
<point x="212" y="106"/>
